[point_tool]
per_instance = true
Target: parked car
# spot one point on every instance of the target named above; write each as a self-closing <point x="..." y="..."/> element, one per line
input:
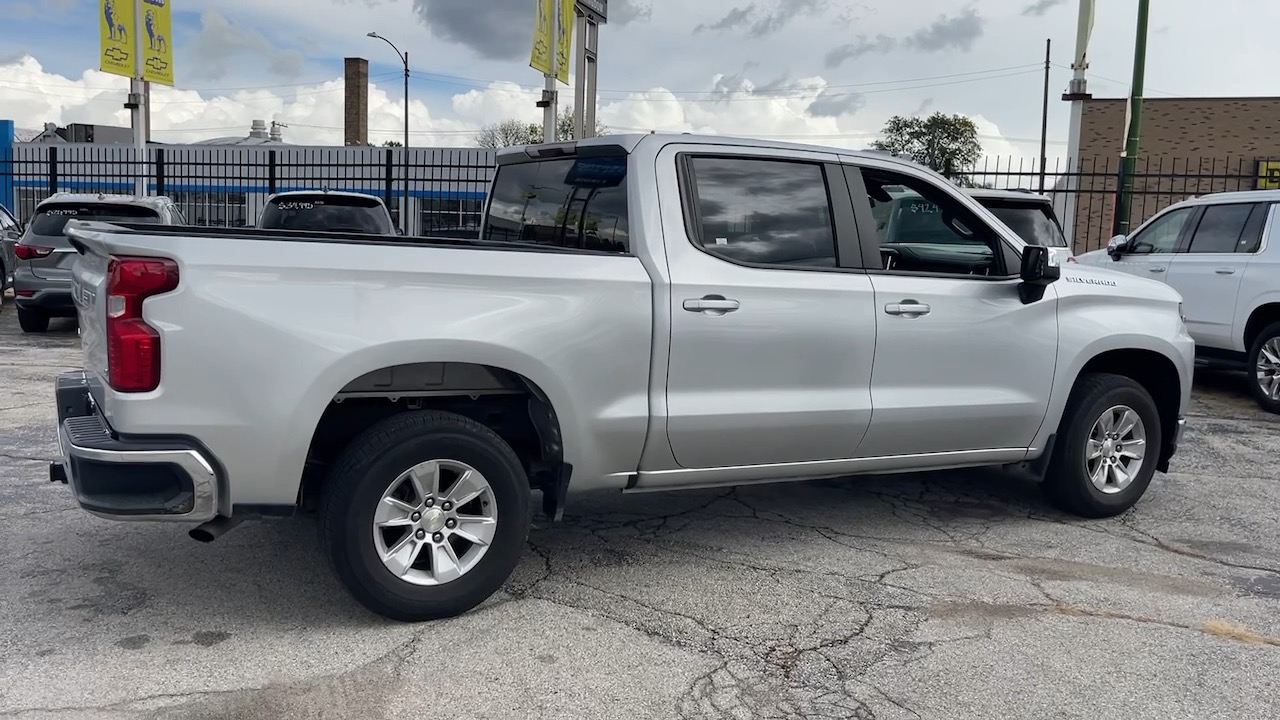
<point x="1221" y="252"/>
<point x="695" y="312"/>
<point x="10" y="231"/>
<point x="1028" y="214"/>
<point x="42" y="276"/>
<point x="327" y="211"/>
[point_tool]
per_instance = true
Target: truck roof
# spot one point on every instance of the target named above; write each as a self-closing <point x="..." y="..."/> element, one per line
<point x="1018" y="195"/>
<point x="630" y="141"/>
<point x="155" y="202"/>
<point x="1233" y="196"/>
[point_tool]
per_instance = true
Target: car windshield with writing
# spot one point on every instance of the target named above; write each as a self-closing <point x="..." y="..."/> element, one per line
<point x="327" y="213"/>
<point x="52" y="218"/>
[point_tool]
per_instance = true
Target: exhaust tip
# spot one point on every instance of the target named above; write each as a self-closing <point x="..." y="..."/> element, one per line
<point x="214" y="529"/>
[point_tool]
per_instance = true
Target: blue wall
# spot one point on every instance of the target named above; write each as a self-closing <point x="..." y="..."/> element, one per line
<point x="6" y="166"/>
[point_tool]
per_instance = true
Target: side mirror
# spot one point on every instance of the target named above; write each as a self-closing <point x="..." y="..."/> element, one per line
<point x="1117" y="246"/>
<point x="1040" y="265"/>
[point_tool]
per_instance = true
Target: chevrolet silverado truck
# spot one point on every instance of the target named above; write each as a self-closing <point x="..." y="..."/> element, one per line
<point x="1221" y="253"/>
<point x="639" y="313"/>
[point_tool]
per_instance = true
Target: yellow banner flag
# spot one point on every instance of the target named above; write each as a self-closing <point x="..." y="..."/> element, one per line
<point x="544" y="30"/>
<point x="115" y="37"/>
<point x="157" y="54"/>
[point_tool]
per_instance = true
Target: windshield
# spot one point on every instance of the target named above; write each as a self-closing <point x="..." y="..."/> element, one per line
<point x="1033" y="222"/>
<point x="330" y="213"/>
<point x="51" y="219"/>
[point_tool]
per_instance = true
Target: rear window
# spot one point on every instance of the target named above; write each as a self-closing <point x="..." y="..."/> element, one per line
<point x="1033" y="222"/>
<point x="329" y="213"/>
<point x="51" y="219"/>
<point x="576" y="203"/>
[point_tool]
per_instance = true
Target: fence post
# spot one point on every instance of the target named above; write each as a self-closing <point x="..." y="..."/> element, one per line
<point x="1119" y="207"/>
<point x="271" y="172"/>
<point x="53" y="169"/>
<point x="159" y="171"/>
<point x="390" y="178"/>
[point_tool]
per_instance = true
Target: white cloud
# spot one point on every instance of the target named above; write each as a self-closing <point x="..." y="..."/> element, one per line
<point x="808" y="109"/>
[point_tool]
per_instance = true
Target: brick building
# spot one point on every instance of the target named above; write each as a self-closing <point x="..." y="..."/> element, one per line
<point x="1190" y="146"/>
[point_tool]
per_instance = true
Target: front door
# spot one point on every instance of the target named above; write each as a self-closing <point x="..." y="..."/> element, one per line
<point x="771" y="342"/>
<point x="1152" y="246"/>
<point x="961" y="362"/>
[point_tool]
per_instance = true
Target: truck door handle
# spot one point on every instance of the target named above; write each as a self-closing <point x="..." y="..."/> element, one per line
<point x="711" y="305"/>
<point x="1156" y="269"/>
<point x="1226" y="271"/>
<point x="908" y="308"/>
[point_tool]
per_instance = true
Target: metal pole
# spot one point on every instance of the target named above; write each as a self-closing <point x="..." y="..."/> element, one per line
<point x="580" y="77"/>
<point x="404" y="203"/>
<point x="1044" y="115"/>
<point x="1128" y="161"/>
<point x="1077" y="93"/>
<point x="138" y="112"/>
<point x="549" y="96"/>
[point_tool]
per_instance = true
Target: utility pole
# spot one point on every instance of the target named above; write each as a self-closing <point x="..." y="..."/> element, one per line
<point x="137" y="102"/>
<point x="1077" y="94"/>
<point x="1044" y="114"/>
<point x="1128" y="161"/>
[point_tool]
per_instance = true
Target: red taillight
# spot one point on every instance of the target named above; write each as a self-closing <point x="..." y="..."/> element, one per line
<point x="133" y="346"/>
<point x="31" y="252"/>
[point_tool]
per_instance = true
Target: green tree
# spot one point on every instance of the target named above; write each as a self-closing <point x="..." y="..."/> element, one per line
<point x="393" y="143"/>
<point x="946" y="143"/>
<point x="515" y="132"/>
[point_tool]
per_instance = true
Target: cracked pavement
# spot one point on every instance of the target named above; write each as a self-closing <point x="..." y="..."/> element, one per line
<point x="947" y="595"/>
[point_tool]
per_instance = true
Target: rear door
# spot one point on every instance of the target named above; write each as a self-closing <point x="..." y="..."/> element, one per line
<point x="772" y="334"/>
<point x="53" y="254"/>
<point x="1208" y="272"/>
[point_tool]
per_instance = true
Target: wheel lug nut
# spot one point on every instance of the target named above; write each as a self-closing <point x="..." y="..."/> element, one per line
<point x="438" y="537"/>
<point x="420" y="534"/>
<point x="447" y="506"/>
<point x="415" y="517"/>
<point x="451" y="523"/>
<point x="430" y="502"/>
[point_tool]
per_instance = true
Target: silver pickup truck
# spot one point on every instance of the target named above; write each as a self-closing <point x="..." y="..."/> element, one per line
<point x="639" y="313"/>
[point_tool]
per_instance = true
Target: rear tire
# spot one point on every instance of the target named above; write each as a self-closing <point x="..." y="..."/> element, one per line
<point x="371" y="494"/>
<point x="32" y="321"/>
<point x="1093" y="472"/>
<point x="1264" y="368"/>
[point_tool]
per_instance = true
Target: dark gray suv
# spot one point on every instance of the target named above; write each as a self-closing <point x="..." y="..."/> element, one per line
<point x="42" y="277"/>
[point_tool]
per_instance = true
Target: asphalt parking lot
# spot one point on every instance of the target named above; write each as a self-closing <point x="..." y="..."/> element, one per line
<point x="952" y="595"/>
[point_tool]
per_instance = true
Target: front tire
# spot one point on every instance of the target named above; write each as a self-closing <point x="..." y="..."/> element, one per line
<point x="1107" y="447"/>
<point x="425" y="515"/>
<point x="32" y="321"/>
<point x="1264" y="368"/>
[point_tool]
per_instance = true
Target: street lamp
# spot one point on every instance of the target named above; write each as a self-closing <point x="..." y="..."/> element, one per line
<point x="404" y="58"/>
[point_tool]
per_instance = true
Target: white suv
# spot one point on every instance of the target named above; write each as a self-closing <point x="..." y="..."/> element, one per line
<point x="1221" y="252"/>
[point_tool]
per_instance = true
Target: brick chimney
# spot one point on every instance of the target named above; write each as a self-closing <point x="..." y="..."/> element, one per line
<point x="355" y="122"/>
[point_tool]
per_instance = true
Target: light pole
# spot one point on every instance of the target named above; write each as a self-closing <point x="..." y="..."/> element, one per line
<point x="404" y="203"/>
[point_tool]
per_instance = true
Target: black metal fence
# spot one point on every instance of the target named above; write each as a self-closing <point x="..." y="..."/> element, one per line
<point x="1084" y="191"/>
<point x="443" y="188"/>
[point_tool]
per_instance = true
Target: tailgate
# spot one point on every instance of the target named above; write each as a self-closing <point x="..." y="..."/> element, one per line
<point x="89" y="292"/>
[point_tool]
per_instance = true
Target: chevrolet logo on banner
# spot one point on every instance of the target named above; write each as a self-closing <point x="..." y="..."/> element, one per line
<point x="157" y="54"/>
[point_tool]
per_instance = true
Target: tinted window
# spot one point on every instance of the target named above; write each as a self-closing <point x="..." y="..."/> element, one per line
<point x="928" y="230"/>
<point x="52" y="218"/>
<point x="1033" y="222"/>
<point x="763" y="211"/>
<point x="1161" y="236"/>
<point x="571" y="203"/>
<point x="328" y="213"/>
<point x="1221" y="228"/>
